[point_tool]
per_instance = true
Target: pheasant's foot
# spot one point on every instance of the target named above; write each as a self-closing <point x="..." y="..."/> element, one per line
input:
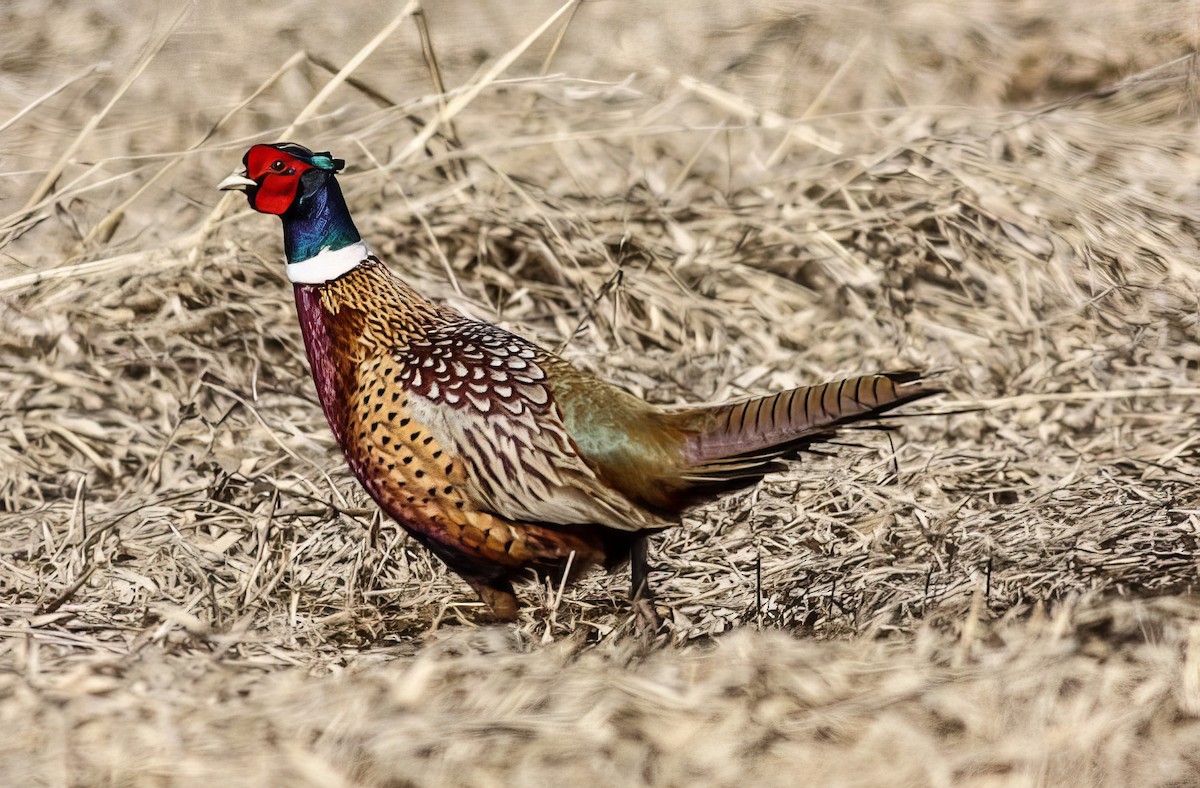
<point x="641" y="597"/>
<point x="647" y="621"/>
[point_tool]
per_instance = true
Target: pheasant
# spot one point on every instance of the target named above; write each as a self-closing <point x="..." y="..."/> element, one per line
<point x="501" y="457"/>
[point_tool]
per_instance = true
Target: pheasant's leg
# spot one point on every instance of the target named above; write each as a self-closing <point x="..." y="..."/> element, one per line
<point x="640" y="594"/>
<point x="497" y="596"/>
<point x="639" y="570"/>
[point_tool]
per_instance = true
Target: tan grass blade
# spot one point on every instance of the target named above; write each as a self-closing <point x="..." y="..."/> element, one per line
<point x="104" y="265"/>
<point x="47" y="183"/>
<point x="558" y="40"/>
<point x="462" y="100"/>
<point x="54" y="91"/>
<point x="457" y="169"/>
<point x="765" y="118"/>
<point x="1025" y="400"/>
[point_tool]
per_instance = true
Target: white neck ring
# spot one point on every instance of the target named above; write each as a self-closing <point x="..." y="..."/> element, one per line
<point x="327" y="264"/>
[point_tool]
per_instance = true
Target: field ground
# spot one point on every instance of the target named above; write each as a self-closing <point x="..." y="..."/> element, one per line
<point x="699" y="200"/>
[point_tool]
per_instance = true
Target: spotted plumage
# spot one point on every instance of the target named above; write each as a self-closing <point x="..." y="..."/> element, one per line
<point x="500" y="456"/>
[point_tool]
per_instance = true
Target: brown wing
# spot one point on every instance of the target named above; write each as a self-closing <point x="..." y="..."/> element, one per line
<point x="484" y="394"/>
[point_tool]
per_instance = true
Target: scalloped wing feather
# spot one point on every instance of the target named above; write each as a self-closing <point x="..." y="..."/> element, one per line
<point x="485" y="394"/>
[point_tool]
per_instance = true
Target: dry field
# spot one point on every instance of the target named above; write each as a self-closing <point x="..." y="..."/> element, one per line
<point x="700" y="200"/>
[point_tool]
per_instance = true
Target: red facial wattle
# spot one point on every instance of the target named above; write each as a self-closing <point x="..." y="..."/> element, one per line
<point x="277" y="175"/>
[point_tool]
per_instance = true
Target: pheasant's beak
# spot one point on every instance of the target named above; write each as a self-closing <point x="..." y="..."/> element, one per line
<point x="237" y="181"/>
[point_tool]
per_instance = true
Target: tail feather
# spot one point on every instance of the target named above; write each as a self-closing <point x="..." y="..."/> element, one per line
<point x="741" y="438"/>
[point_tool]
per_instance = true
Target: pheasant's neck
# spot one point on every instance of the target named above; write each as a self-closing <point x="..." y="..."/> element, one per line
<point x="331" y="370"/>
<point x="320" y="238"/>
<point x="367" y="311"/>
<point x="327" y="264"/>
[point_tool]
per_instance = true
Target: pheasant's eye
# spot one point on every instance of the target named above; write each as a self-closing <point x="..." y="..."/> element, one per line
<point x="277" y="165"/>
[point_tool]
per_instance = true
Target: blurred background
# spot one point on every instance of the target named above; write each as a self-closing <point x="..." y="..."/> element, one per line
<point x="62" y="63"/>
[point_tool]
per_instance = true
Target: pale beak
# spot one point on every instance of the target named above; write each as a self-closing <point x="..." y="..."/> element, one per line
<point x="237" y="181"/>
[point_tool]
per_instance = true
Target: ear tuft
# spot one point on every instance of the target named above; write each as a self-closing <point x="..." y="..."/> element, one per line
<point x="325" y="161"/>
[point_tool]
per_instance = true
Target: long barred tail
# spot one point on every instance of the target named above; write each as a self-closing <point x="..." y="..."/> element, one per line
<point x="740" y="438"/>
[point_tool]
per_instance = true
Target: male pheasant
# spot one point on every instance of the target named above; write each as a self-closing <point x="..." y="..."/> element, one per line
<point x="499" y="456"/>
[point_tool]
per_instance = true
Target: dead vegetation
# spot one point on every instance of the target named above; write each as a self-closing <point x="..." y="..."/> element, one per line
<point x="699" y="204"/>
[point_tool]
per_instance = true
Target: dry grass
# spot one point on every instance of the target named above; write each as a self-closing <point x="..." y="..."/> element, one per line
<point x="698" y="204"/>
